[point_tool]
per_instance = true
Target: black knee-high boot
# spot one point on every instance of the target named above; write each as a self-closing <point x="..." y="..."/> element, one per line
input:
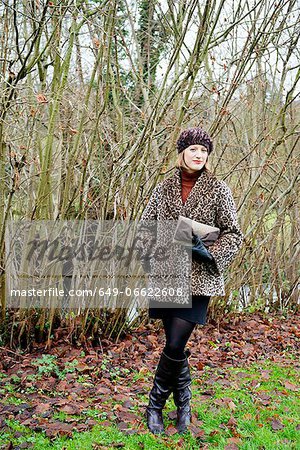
<point x="164" y="382"/>
<point x="182" y="395"/>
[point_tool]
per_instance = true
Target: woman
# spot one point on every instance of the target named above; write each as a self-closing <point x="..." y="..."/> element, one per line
<point x="194" y="192"/>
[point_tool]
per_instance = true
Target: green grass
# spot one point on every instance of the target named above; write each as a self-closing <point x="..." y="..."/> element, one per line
<point x="252" y="417"/>
<point x="239" y="402"/>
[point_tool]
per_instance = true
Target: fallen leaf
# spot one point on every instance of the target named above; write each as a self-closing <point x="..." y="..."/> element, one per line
<point x="42" y="408"/>
<point x="290" y="386"/>
<point x="70" y="409"/>
<point x="276" y="424"/>
<point x="170" y="430"/>
<point x="265" y="374"/>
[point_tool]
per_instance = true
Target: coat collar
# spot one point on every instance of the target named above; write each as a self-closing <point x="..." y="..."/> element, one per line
<point x="175" y="203"/>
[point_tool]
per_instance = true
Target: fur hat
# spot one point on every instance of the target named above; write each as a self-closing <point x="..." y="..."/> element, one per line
<point x="194" y="136"/>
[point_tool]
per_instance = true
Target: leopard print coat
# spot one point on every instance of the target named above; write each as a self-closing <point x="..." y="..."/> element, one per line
<point x="210" y="201"/>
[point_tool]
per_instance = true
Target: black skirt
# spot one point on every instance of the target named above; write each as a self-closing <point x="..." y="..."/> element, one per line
<point x="196" y="314"/>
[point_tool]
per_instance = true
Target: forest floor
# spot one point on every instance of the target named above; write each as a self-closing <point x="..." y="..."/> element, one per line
<point x="245" y="389"/>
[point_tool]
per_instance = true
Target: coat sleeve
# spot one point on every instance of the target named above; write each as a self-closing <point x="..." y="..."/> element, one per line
<point x="230" y="240"/>
<point x="150" y="212"/>
<point x="146" y="230"/>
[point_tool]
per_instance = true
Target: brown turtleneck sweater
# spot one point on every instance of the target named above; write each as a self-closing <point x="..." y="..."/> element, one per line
<point x="188" y="180"/>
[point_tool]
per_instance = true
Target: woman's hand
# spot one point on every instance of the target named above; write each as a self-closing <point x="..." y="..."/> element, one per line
<point x="199" y="251"/>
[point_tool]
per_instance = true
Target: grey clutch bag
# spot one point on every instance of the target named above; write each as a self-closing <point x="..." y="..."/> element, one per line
<point x="185" y="226"/>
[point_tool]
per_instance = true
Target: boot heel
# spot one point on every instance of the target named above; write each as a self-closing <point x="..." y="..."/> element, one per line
<point x="155" y="421"/>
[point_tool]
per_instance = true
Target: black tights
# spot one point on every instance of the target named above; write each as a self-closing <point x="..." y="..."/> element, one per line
<point x="177" y="332"/>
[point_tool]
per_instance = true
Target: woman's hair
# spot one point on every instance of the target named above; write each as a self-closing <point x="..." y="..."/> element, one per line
<point x="182" y="164"/>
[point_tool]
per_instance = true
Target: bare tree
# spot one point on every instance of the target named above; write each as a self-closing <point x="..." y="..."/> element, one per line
<point x="93" y="95"/>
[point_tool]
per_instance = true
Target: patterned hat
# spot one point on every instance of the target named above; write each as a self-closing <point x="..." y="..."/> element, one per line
<point x="194" y="136"/>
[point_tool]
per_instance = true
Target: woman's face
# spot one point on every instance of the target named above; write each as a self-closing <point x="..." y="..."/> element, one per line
<point x="195" y="157"/>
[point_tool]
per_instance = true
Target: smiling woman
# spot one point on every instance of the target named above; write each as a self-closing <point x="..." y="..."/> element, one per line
<point x="193" y="192"/>
<point x="193" y="158"/>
